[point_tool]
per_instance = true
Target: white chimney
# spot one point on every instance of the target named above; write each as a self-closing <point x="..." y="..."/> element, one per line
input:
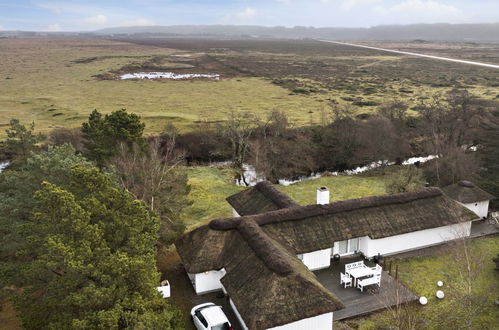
<point x="322" y="195"/>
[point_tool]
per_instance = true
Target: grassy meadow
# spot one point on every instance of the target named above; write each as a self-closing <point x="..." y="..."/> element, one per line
<point x="57" y="82"/>
<point x="48" y="81"/>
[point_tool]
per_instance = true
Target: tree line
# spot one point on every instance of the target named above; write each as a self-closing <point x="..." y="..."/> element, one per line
<point x="457" y="127"/>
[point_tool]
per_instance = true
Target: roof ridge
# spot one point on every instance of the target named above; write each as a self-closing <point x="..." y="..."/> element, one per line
<point x="278" y="197"/>
<point x="264" y="247"/>
<point x="301" y="212"/>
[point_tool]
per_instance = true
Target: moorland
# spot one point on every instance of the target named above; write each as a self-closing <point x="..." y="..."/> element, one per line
<point x="57" y="82"/>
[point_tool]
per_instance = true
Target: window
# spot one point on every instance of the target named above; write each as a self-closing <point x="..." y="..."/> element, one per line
<point x="201" y="318"/>
<point x="348" y="246"/>
<point x="354" y="245"/>
<point x="222" y="326"/>
<point x="343" y="247"/>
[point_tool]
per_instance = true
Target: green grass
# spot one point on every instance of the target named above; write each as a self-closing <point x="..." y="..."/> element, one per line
<point x="42" y="81"/>
<point x="340" y="187"/>
<point x="210" y="186"/>
<point x="420" y="274"/>
<point x="38" y="75"/>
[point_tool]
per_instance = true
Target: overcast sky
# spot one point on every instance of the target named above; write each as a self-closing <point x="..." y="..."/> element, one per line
<point x="78" y="15"/>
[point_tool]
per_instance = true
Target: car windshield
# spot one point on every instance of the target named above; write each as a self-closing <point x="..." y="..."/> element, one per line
<point x="221" y="326"/>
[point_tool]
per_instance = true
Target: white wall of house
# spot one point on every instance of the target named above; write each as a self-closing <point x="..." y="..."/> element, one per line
<point x="316" y="260"/>
<point x="414" y="240"/>
<point x="207" y="281"/>
<point x="319" y="322"/>
<point x="239" y="318"/>
<point x="480" y="208"/>
<point x="234" y="213"/>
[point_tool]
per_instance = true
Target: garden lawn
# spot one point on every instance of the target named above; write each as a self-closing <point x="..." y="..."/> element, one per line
<point x="421" y="274"/>
<point x="210" y="186"/>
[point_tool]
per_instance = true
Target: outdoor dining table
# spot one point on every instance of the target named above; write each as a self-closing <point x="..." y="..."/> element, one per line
<point x="359" y="272"/>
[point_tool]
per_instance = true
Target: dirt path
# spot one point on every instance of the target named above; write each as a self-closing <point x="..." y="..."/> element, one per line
<point x="493" y="66"/>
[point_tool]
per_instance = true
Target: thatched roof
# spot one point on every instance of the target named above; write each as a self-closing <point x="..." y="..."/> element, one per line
<point x="261" y="198"/>
<point x="202" y="249"/>
<point x="267" y="282"/>
<point x="266" y="299"/>
<point x="467" y="192"/>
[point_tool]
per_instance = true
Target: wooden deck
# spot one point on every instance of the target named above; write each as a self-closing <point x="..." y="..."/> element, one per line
<point x="372" y="299"/>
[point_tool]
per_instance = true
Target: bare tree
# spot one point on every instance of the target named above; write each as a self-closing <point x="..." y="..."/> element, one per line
<point x="408" y="178"/>
<point x="449" y="127"/>
<point x="278" y="151"/>
<point x="156" y="178"/>
<point x="238" y="129"/>
<point x="468" y="297"/>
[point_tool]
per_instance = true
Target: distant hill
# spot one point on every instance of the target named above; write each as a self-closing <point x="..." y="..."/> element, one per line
<point x="428" y="32"/>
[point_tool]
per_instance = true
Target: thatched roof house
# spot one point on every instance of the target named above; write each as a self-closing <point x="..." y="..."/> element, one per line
<point x="470" y="196"/>
<point x="261" y="198"/>
<point x="266" y="281"/>
<point x="467" y="192"/>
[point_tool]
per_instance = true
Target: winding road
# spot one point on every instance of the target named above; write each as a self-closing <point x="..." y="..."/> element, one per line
<point x="493" y="66"/>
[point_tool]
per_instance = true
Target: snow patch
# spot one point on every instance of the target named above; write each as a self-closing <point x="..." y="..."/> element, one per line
<point x="169" y="75"/>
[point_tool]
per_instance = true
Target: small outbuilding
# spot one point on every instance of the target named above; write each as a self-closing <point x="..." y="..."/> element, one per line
<point x="470" y="196"/>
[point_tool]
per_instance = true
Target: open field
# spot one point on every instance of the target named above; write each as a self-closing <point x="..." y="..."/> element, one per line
<point x="57" y="82"/>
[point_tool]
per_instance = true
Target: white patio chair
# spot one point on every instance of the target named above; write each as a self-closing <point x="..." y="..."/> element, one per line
<point x="377" y="270"/>
<point x="345" y="280"/>
<point x="368" y="281"/>
<point x="354" y="265"/>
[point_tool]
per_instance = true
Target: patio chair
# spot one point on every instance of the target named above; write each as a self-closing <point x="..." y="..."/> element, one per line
<point x="354" y="265"/>
<point x="377" y="270"/>
<point x="368" y="281"/>
<point x="345" y="280"/>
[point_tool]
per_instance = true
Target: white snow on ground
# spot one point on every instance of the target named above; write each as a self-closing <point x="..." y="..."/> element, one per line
<point x="3" y="165"/>
<point x="168" y="75"/>
<point x="251" y="176"/>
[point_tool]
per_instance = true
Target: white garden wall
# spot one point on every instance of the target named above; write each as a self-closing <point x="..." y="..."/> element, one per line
<point x="207" y="281"/>
<point x="480" y="208"/>
<point x="414" y="240"/>
<point x="319" y="322"/>
<point x="316" y="260"/>
<point x="239" y="318"/>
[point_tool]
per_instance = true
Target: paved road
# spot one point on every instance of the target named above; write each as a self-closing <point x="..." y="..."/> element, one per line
<point x="493" y="66"/>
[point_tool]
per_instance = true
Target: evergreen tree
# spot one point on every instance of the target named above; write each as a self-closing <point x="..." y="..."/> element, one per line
<point x="103" y="134"/>
<point x="86" y="256"/>
<point x="21" y="141"/>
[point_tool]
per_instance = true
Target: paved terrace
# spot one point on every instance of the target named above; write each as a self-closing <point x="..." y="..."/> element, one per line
<point x="372" y="299"/>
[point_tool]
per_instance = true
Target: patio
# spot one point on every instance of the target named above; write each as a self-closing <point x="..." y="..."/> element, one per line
<point x="372" y="299"/>
<point x="483" y="228"/>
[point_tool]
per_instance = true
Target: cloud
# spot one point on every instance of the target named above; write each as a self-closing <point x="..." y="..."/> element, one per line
<point x="53" y="27"/>
<point x="96" y="20"/>
<point x="347" y="5"/>
<point x="137" y="22"/>
<point x="245" y="16"/>
<point x="246" y="13"/>
<point x="416" y="11"/>
<point x="1" y="27"/>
